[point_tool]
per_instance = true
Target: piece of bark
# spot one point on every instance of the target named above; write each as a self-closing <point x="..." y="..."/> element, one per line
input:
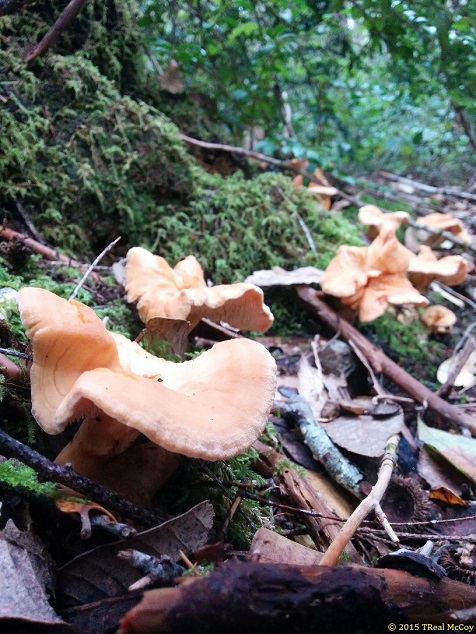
<point x="268" y="598"/>
<point x="381" y="363"/>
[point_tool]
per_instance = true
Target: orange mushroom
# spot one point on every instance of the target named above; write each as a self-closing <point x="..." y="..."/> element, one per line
<point x="375" y="219"/>
<point x="212" y="407"/>
<point x="425" y="267"/>
<point x="441" y="222"/>
<point x="369" y="278"/>
<point x="438" y="319"/>
<point x="181" y="293"/>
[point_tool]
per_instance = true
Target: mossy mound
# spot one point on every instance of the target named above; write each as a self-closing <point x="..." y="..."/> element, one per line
<point x="91" y="160"/>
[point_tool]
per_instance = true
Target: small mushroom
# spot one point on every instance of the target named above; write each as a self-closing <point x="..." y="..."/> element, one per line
<point x="425" y="267"/>
<point x="438" y="319"/>
<point x="375" y="219"/>
<point x="212" y="407"/>
<point x="441" y="222"/>
<point x="369" y="278"/>
<point x="181" y="293"/>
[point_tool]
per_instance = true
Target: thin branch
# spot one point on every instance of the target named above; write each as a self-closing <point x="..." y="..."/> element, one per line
<point x="91" y="267"/>
<point x="52" y="472"/>
<point x="64" y="20"/>
<point x="371" y="503"/>
<point x="382" y="363"/>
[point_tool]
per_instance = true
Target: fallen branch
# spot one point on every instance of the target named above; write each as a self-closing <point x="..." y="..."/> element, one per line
<point x="269" y="598"/>
<point x="371" y="503"/>
<point x="49" y="471"/>
<point x="381" y="363"/>
<point x="268" y="159"/>
<point x="64" y="20"/>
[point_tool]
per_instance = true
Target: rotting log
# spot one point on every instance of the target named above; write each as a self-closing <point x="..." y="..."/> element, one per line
<point x="379" y="361"/>
<point x="268" y="598"/>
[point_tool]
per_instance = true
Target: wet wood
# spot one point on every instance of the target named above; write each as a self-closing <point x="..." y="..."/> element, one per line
<point x="268" y="598"/>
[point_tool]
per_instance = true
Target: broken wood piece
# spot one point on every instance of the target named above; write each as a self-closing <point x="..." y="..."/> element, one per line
<point x="371" y="503"/>
<point x="322" y="447"/>
<point x="262" y="598"/>
<point x="381" y="363"/>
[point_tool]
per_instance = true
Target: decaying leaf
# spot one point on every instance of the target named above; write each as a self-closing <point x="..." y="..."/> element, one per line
<point x="467" y="376"/>
<point x="365" y="434"/>
<point x="24" y="579"/>
<point x="442" y="494"/>
<point x="456" y="449"/>
<point x="270" y="547"/>
<point x="279" y="277"/>
<point x="99" y="573"/>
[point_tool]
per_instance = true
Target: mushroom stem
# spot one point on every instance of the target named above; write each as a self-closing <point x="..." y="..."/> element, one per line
<point x="99" y="438"/>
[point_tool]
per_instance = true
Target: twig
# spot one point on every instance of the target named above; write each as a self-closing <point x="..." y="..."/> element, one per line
<point x="91" y="267"/>
<point x="268" y="159"/>
<point x="458" y="362"/>
<point x="64" y="20"/>
<point x="323" y="449"/>
<point x="27" y="220"/>
<point x="15" y="353"/>
<point x="371" y="502"/>
<point x="49" y="471"/>
<point x="381" y="363"/>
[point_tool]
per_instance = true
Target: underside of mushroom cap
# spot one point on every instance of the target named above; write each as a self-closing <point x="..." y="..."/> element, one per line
<point x="68" y="338"/>
<point x="212" y="407"/>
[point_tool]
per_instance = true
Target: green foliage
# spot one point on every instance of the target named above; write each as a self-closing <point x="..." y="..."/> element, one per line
<point x="15" y="474"/>
<point x="370" y="82"/>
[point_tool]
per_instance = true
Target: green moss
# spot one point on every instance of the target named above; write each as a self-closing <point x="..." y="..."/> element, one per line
<point x="15" y="474"/>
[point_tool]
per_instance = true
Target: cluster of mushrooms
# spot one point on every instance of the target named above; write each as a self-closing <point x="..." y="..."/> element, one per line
<point x="367" y="279"/>
<point x="212" y="407"/>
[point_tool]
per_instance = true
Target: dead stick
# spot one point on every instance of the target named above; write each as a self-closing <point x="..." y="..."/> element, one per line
<point x="371" y="503"/>
<point x="65" y="18"/>
<point x="381" y="363"/>
<point x="267" y="159"/>
<point x="52" y="472"/>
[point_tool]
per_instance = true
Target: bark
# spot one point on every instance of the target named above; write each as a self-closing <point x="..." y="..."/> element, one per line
<point x="268" y="598"/>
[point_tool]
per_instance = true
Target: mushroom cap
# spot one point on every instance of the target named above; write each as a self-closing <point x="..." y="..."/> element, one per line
<point x="373" y="216"/>
<point x="212" y="407"/>
<point x="181" y="293"/>
<point x="425" y="267"/>
<point x="369" y="278"/>
<point x="68" y="338"/>
<point x="444" y="222"/>
<point x="438" y="319"/>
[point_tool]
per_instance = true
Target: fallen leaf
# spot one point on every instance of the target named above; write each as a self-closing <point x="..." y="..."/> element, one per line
<point x="456" y="449"/>
<point x="99" y="573"/>
<point x="364" y="435"/>
<point x="24" y="578"/>
<point x="270" y="547"/>
<point x="437" y="472"/>
<point x="467" y="376"/>
<point x="280" y="277"/>
<point x="442" y="494"/>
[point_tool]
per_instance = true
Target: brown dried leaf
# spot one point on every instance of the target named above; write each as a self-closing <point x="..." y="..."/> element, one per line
<point x="270" y="547"/>
<point x="24" y="578"/>
<point x="364" y="435"/>
<point x="442" y="494"/>
<point x="99" y="573"/>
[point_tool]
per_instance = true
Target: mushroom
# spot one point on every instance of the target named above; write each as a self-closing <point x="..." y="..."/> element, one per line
<point x="441" y="222"/>
<point x="375" y="218"/>
<point x="212" y="407"/>
<point x="425" y="267"/>
<point x="438" y="319"/>
<point x="181" y="293"/>
<point x="369" y="278"/>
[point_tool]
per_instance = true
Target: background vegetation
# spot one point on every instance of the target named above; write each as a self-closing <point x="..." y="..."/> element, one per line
<point x="371" y="83"/>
